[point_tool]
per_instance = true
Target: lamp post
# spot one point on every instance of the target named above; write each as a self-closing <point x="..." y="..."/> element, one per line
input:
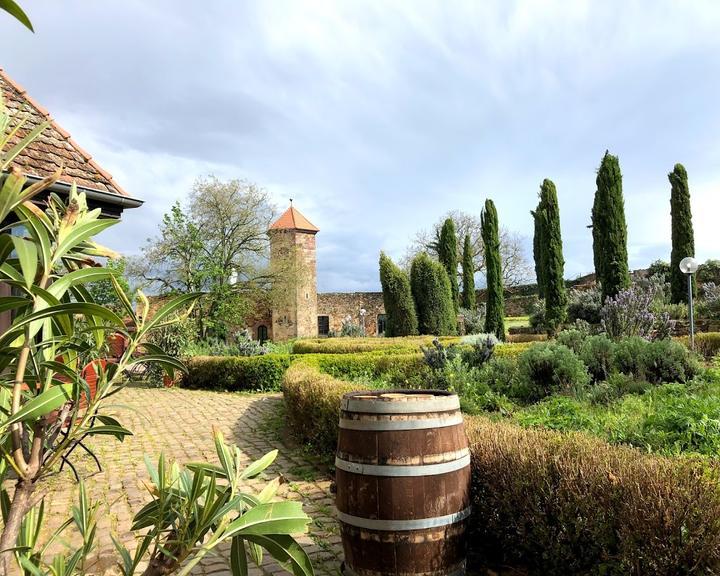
<point x="362" y="320"/>
<point x="689" y="266"/>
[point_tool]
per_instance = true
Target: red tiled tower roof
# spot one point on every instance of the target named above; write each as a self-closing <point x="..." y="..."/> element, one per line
<point x="53" y="147"/>
<point x="291" y="219"/>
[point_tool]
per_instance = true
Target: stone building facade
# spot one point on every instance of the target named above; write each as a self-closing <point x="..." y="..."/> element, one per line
<point x="303" y="313"/>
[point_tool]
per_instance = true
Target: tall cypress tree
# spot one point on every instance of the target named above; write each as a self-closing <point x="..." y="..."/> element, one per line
<point x="400" y="316"/>
<point x="433" y="297"/>
<point x="609" y="229"/>
<point x="448" y="256"/>
<point x="495" y="308"/>
<point x="469" y="298"/>
<point x="683" y="239"/>
<point x="538" y="245"/>
<point x="553" y="263"/>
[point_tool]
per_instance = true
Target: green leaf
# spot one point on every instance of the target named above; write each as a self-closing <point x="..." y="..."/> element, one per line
<point x="14" y="10"/>
<point x="268" y="493"/>
<point x="79" y="233"/>
<point x="167" y="362"/>
<point x="68" y="309"/>
<point x="274" y="518"/>
<point x="6" y="247"/>
<point x="27" y="256"/>
<point x="177" y="303"/>
<point x="42" y="404"/>
<point x="289" y="554"/>
<point x="110" y="430"/>
<point x="258" y="466"/>
<point x="13" y="303"/>
<point x="238" y="559"/>
<point x="76" y="277"/>
<point x="208" y="468"/>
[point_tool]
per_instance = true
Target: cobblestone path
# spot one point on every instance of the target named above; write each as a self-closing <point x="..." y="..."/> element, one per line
<point x="179" y="423"/>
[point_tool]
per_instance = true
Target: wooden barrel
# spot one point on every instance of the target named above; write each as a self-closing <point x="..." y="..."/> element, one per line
<point x="403" y="483"/>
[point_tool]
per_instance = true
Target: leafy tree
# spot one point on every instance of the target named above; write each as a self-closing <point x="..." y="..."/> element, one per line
<point x="495" y="307"/>
<point x="683" y="239"/>
<point x="609" y="229"/>
<point x="551" y="260"/>
<point x="469" y="298"/>
<point x="448" y="256"/>
<point x="433" y="297"/>
<point x="516" y="268"/>
<point x="659" y="268"/>
<point x="104" y="291"/>
<point x="709" y="271"/>
<point x="400" y="316"/>
<point x="217" y="244"/>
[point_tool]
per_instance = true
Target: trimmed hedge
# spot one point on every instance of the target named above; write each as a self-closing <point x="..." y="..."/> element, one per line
<point x="564" y="504"/>
<point x="352" y="345"/>
<point x="558" y="503"/>
<point x="707" y="344"/>
<point x="236" y="373"/>
<point x="312" y="400"/>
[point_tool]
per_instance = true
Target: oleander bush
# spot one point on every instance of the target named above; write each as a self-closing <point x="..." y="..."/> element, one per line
<point x="236" y="373"/>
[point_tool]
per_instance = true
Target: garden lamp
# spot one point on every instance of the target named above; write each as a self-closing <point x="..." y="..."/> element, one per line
<point x="689" y="266"/>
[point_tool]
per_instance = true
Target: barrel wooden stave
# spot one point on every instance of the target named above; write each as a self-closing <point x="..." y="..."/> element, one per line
<point x="368" y="498"/>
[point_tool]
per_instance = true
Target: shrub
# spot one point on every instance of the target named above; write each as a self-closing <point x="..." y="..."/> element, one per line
<point x="480" y="352"/>
<point x="548" y="368"/>
<point x="236" y="373"/>
<point x="584" y="305"/>
<point x="499" y="374"/>
<point x="709" y="306"/>
<point x="616" y="386"/>
<point x="572" y="338"/>
<point x="707" y="344"/>
<point x="433" y="297"/>
<point x="352" y="345"/>
<point x="674" y="311"/>
<point x="537" y="315"/>
<point x="407" y="370"/>
<point x="313" y="405"/>
<point x="397" y="298"/>
<point x="629" y="356"/>
<point x="437" y="356"/>
<point x="668" y="361"/>
<point x="351" y="330"/>
<point x="598" y="354"/>
<point x="474" y="319"/>
<point x="629" y="313"/>
<point x="567" y="504"/>
<point x="523" y="338"/>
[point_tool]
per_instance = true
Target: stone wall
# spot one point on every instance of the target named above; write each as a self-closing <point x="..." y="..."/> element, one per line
<point x="338" y="305"/>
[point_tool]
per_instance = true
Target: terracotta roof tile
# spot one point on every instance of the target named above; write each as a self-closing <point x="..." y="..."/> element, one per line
<point x="54" y="147"/>
<point x="291" y="219"/>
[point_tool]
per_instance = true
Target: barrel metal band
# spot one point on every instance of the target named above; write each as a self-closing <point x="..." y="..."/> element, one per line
<point x="418" y="424"/>
<point x="414" y="470"/>
<point x="417" y="524"/>
<point x="380" y="406"/>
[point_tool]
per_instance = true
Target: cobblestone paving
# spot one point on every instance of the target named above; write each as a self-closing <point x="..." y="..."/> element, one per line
<point x="179" y="423"/>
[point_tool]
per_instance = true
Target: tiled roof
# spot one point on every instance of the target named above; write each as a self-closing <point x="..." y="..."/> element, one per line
<point x="291" y="219"/>
<point x="54" y="147"/>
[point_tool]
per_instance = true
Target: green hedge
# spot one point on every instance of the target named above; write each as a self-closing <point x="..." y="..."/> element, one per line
<point x="236" y="373"/>
<point x="558" y="503"/>
<point x="707" y="344"/>
<point x="367" y="344"/>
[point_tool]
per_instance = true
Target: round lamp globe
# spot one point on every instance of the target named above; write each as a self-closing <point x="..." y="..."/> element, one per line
<point x="688" y="265"/>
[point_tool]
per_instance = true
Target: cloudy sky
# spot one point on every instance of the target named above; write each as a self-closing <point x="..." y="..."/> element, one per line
<point x="378" y="116"/>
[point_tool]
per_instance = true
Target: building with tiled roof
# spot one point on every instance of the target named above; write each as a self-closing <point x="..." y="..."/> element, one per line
<point x="291" y="219"/>
<point x="55" y="148"/>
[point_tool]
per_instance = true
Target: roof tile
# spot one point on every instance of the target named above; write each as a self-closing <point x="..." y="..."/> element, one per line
<point x="53" y="147"/>
<point x="291" y="219"/>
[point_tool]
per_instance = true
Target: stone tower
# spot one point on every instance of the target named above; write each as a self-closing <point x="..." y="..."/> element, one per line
<point x="292" y="248"/>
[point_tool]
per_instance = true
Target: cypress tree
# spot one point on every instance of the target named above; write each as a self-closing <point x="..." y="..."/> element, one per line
<point x="495" y="308"/>
<point x="400" y="316"/>
<point x="683" y="239"/>
<point x="609" y="229"/>
<point x="538" y="252"/>
<point x="553" y="263"/>
<point x="448" y="256"/>
<point x="469" y="298"/>
<point x="433" y="297"/>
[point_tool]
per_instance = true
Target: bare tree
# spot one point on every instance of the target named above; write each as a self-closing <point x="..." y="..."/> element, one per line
<point x="516" y="266"/>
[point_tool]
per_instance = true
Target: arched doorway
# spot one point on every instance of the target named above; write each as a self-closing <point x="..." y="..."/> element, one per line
<point x="262" y="333"/>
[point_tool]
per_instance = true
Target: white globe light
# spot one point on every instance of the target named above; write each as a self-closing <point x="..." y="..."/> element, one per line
<point x="688" y="265"/>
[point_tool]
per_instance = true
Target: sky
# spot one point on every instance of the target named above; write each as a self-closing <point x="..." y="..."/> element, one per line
<point x="379" y="116"/>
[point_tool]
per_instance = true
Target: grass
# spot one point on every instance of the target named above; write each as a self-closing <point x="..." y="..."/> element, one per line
<point x="517" y="321"/>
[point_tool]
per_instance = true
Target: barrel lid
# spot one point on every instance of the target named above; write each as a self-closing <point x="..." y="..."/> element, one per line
<point x="400" y="401"/>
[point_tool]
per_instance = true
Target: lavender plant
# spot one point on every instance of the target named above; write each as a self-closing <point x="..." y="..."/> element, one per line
<point x="629" y="313"/>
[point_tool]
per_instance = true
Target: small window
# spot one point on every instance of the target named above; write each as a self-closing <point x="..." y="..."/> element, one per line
<point x="323" y="325"/>
<point x="381" y="324"/>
